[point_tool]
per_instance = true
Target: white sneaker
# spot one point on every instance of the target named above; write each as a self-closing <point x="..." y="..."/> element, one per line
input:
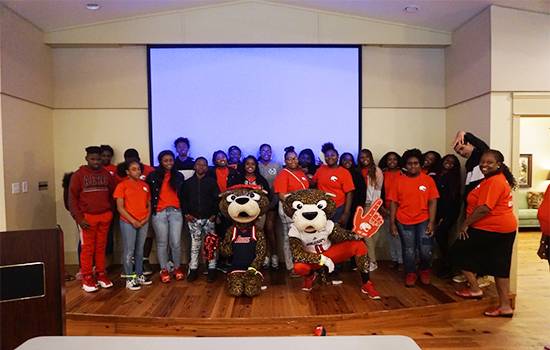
<point x="373" y="266"/>
<point x="459" y="278"/>
<point x="483" y="281"/>
<point x="144" y="281"/>
<point x="275" y="261"/>
<point x="132" y="284"/>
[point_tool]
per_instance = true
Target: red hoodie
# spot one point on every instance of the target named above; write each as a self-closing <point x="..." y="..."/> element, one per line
<point x="90" y="192"/>
<point x="544" y="213"/>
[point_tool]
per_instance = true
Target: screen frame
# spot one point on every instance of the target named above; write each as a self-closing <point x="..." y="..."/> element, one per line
<point x="177" y="46"/>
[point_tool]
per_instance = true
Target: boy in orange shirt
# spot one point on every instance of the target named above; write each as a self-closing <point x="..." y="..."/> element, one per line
<point x="412" y="216"/>
<point x="132" y="198"/>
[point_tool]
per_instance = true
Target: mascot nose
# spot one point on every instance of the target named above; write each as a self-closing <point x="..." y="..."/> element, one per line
<point x="310" y="215"/>
<point x="242" y="200"/>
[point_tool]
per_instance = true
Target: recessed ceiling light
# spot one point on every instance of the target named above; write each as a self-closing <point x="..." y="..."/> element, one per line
<point x="411" y="9"/>
<point x="93" y="7"/>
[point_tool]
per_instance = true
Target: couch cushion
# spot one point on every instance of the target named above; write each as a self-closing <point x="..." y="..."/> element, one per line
<point x="534" y="199"/>
<point x="527" y="214"/>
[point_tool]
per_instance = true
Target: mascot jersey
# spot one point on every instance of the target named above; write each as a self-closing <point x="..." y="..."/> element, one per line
<point x="243" y="245"/>
<point x="316" y="242"/>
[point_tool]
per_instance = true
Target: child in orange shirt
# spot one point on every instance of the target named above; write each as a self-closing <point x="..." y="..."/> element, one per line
<point x="412" y="215"/>
<point x="132" y="198"/>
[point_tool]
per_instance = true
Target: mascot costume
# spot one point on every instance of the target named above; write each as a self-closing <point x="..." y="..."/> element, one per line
<point x="244" y="242"/>
<point x="317" y="242"/>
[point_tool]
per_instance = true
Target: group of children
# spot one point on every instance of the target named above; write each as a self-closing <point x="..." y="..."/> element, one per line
<point x="421" y="192"/>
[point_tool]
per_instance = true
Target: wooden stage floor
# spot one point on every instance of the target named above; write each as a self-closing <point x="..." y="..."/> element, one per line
<point x="202" y="309"/>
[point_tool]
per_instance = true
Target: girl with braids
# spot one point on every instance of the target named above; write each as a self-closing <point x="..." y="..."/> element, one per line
<point x="166" y="191"/>
<point x="290" y="179"/>
<point x="412" y="216"/>
<point x="448" y="183"/>
<point x="390" y="164"/>
<point x="489" y="232"/>
<point x="374" y="179"/>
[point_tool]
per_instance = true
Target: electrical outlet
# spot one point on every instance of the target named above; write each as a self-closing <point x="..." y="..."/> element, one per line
<point x="15" y="188"/>
<point x="24" y="186"/>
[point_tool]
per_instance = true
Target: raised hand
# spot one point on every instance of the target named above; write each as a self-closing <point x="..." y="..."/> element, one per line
<point x="368" y="224"/>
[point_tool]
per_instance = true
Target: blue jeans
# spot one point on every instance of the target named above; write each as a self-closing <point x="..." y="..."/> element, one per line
<point x="167" y="225"/>
<point x="133" y="240"/>
<point x="413" y="239"/>
<point x="338" y="214"/>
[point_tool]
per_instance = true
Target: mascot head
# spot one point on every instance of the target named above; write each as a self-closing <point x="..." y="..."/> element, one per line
<point x="244" y="203"/>
<point x="309" y="209"/>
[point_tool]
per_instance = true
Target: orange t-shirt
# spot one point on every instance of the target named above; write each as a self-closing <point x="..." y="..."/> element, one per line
<point x="544" y="213"/>
<point x="136" y="197"/>
<point x="390" y="179"/>
<point x="495" y="193"/>
<point x="337" y="181"/>
<point x="290" y="180"/>
<point x="167" y="197"/>
<point x="221" y="178"/>
<point x="412" y="195"/>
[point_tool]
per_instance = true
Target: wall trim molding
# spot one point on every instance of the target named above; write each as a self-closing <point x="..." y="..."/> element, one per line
<point x="26" y="100"/>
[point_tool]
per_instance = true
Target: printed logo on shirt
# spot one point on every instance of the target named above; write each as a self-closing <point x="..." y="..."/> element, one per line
<point x="334" y="178"/>
<point x="422" y="188"/>
<point x="272" y="171"/>
<point x="142" y="177"/>
<point x="112" y="173"/>
<point x="145" y="189"/>
<point x="242" y="240"/>
<point x="303" y="178"/>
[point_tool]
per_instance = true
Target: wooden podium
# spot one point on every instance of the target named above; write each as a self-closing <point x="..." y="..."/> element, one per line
<point x="32" y="285"/>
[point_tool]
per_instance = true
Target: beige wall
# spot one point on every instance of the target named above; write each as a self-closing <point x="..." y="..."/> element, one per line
<point x="473" y="116"/>
<point x="2" y="191"/>
<point x="27" y="144"/>
<point x="535" y="140"/>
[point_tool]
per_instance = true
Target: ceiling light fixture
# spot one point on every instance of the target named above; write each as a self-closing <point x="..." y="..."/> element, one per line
<point x="411" y="9"/>
<point x="93" y="7"/>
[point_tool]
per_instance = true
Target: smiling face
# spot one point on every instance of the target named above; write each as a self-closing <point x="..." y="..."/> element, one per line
<point x="291" y="161"/>
<point x="331" y="157"/>
<point x="489" y="164"/>
<point x="464" y="150"/>
<point x="265" y="153"/>
<point x="221" y="160"/>
<point x="392" y="161"/>
<point x="449" y="163"/>
<point x="134" y="170"/>
<point x="346" y="161"/>
<point x="234" y="156"/>
<point x="167" y="162"/>
<point x="365" y="159"/>
<point x="250" y="166"/>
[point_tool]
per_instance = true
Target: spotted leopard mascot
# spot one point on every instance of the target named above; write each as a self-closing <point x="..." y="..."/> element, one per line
<point x="244" y="242"/>
<point x="317" y="242"/>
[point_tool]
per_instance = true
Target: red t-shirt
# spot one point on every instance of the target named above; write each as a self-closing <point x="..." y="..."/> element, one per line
<point x="337" y="181"/>
<point x="288" y="181"/>
<point x="221" y="178"/>
<point x="111" y="168"/>
<point x="147" y="169"/>
<point x="495" y="193"/>
<point x="167" y="197"/>
<point x="390" y="179"/>
<point x="412" y="195"/>
<point x="544" y="213"/>
<point x="136" y="197"/>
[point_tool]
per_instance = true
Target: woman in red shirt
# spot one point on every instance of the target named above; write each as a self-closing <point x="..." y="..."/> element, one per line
<point x="334" y="179"/>
<point x="489" y="232"/>
<point x="290" y="179"/>
<point x="412" y="216"/>
<point x="544" y="220"/>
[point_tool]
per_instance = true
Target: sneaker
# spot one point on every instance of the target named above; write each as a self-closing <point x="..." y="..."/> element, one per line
<point x="335" y="278"/>
<point x="178" y="274"/>
<point x="293" y="274"/>
<point x="192" y="275"/>
<point x="275" y="262"/>
<point x="103" y="281"/>
<point x="308" y="282"/>
<point x="89" y="284"/>
<point x="164" y="276"/>
<point x="373" y="266"/>
<point x="147" y="270"/>
<point x="368" y="289"/>
<point x="425" y="276"/>
<point x="459" y="278"/>
<point x="410" y="279"/>
<point x="211" y="277"/>
<point x="133" y="284"/>
<point x="483" y="281"/>
<point x="144" y="281"/>
<point x="265" y="264"/>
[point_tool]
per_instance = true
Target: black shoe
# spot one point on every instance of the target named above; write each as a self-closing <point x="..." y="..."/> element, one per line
<point x="192" y="275"/>
<point x="147" y="270"/>
<point x="211" y="275"/>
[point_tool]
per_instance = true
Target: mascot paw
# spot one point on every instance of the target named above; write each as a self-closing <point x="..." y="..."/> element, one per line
<point x="253" y="285"/>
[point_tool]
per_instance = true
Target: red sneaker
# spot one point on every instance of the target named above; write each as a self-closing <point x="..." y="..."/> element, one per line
<point x="410" y="279"/>
<point x="308" y="282"/>
<point x="103" y="281"/>
<point x="164" y="276"/>
<point x="179" y="274"/>
<point x="88" y="284"/>
<point x="425" y="276"/>
<point x="368" y="289"/>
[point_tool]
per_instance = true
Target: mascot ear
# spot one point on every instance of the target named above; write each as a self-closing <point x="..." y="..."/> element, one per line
<point x="265" y="192"/>
<point x="223" y="194"/>
<point x="287" y="195"/>
<point x="330" y="194"/>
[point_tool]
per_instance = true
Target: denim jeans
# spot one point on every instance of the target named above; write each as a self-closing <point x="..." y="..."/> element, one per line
<point x="413" y="239"/>
<point x="167" y="225"/>
<point x="133" y="240"/>
<point x="286" y="221"/>
<point x="338" y="214"/>
<point x="198" y="229"/>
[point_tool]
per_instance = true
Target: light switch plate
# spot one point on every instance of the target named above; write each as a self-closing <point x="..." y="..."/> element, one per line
<point x="24" y="186"/>
<point x="15" y="188"/>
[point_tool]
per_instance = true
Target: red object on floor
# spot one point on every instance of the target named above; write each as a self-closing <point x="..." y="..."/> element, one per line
<point x="410" y="280"/>
<point x="425" y="276"/>
<point x="368" y="289"/>
<point x="178" y="274"/>
<point x="320" y="331"/>
<point x="164" y="276"/>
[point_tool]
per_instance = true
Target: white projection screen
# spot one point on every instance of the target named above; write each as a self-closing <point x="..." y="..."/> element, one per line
<point x="218" y="96"/>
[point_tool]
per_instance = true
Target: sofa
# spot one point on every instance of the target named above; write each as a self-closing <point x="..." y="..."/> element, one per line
<point x="527" y="213"/>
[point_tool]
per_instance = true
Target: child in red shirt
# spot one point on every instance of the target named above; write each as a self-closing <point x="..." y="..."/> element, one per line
<point x="412" y="215"/>
<point x="90" y="205"/>
<point x="132" y="198"/>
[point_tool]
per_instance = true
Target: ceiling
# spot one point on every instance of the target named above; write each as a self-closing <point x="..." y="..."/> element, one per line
<point x="445" y="15"/>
